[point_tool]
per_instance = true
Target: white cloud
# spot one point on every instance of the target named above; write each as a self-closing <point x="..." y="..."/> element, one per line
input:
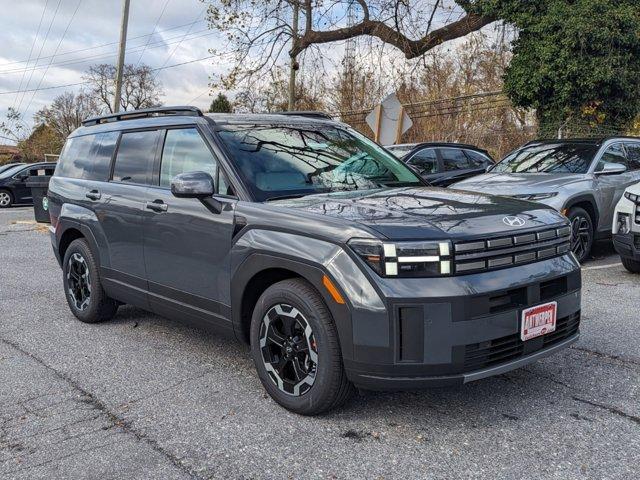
<point x="96" y="23"/>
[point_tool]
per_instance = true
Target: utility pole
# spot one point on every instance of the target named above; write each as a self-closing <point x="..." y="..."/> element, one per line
<point x="294" y="61"/>
<point x="123" y="44"/>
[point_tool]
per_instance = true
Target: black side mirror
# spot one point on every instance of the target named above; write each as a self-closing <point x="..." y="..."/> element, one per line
<point x="193" y="185"/>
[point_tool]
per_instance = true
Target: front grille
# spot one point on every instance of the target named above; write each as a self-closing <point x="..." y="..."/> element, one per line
<point x="501" y="350"/>
<point x="502" y="252"/>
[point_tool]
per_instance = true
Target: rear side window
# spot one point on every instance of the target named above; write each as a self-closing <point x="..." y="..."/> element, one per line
<point x="134" y="160"/>
<point x="454" y="159"/>
<point x="87" y="157"/>
<point x="185" y="151"/>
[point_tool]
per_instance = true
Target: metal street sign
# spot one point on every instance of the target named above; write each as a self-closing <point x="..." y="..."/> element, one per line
<point x="389" y="121"/>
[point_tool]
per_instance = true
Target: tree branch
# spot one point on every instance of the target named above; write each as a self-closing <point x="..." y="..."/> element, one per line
<point x="411" y="48"/>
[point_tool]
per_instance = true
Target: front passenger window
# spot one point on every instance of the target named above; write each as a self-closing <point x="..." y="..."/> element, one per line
<point x="185" y="151"/>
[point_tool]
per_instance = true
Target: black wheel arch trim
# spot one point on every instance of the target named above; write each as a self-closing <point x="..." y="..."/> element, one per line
<point x="573" y="201"/>
<point x="66" y="224"/>
<point x="258" y="262"/>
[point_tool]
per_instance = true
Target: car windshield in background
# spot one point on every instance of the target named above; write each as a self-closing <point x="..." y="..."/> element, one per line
<point x="11" y="171"/>
<point x="550" y="158"/>
<point x="296" y="160"/>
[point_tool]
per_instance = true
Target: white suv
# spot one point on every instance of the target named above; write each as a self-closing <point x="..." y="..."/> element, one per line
<point x="626" y="228"/>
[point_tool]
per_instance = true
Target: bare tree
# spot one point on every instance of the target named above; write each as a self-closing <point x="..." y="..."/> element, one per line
<point x="67" y="111"/>
<point x="260" y="33"/>
<point x="140" y="87"/>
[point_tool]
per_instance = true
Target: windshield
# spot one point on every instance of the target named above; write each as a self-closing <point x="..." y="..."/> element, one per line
<point x="11" y="171"/>
<point x="548" y="158"/>
<point x="296" y="160"/>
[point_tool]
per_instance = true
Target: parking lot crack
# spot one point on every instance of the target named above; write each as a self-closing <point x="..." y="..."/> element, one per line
<point x="113" y="418"/>
<point x="610" y="409"/>
<point x="608" y="356"/>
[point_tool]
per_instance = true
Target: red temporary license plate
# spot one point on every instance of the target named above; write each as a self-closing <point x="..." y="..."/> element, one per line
<point x="538" y="321"/>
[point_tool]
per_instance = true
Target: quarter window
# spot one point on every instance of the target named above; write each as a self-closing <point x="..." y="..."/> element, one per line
<point x="454" y="159"/>
<point x="135" y="157"/>
<point x="87" y="157"/>
<point x="185" y="151"/>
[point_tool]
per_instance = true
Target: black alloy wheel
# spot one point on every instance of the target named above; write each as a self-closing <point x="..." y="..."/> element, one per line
<point x="581" y="233"/>
<point x="288" y="349"/>
<point x="78" y="281"/>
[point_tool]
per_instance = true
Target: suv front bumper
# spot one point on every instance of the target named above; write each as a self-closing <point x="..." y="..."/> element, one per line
<point x="455" y="330"/>
<point x="627" y="245"/>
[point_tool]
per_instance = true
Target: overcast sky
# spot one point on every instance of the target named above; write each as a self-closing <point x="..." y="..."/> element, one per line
<point x="175" y="39"/>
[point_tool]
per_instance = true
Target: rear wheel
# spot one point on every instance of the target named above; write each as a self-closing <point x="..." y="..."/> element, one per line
<point x="630" y="264"/>
<point x="6" y="199"/>
<point x="581" y="233"/>
<point x="83" y="288"/>
<point x="295" y="348"/>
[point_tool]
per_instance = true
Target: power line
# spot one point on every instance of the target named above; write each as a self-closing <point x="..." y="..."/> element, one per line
<point x="35" y="39"/>
<point x="85" y="83"/>
<point x="181" y="40"/>
<point x="69" y="52"/>
<point x="158" y="44"/>
<point x="153" y="31"/>
<point x="55" y="13"/>
<point x="64" y="34"/>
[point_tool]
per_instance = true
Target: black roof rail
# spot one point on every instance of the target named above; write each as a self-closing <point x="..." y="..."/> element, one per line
<point x="307" y="113"/>
<point x="144" y="113"/>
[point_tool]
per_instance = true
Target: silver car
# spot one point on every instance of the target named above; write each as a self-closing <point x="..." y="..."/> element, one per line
<point x="583" y="179"/>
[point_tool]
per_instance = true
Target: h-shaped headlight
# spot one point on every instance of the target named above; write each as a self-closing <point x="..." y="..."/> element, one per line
<point x="405" y="259"/>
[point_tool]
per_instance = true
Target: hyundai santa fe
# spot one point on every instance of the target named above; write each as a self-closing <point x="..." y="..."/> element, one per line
<point x="584" y="179"/>
<point x="330" y="258"/>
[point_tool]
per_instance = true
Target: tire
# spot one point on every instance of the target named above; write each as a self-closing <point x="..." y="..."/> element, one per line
<point x="630" y="264"/>
<point x="582" y="233"/>
<point x="6" y="199"/>
<point x="294" y="309"/>
<point x="82" y="286"/>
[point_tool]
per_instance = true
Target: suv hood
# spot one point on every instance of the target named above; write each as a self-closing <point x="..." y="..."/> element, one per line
<point x="519" y="183"/>
<point x="426" y="213"/>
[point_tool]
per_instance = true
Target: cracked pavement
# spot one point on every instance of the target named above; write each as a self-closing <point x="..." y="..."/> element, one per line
<point x="145" y="397"/>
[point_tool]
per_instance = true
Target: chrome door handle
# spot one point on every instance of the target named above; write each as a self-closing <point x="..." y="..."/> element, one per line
<point x="157" y="206"/>
<point x="93" y="195"/>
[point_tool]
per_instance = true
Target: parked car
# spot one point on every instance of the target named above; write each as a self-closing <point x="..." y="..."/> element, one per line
<point x="301" y="237"/>
<point x="583" y="179"/>
<point x="442" y="164"/>
<point x="7" y="166"/>
<point x="13" y="188"/>
<point x="626" y="228"/>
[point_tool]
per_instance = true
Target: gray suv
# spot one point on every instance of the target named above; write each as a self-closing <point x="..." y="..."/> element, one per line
<point x="583" y="179"/>
<point x="325" y="254"/>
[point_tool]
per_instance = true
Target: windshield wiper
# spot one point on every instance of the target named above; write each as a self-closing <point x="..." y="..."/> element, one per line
<point x="286" y="197"/>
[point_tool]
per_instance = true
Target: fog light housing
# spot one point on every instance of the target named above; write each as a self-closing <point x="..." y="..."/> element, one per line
<point x="624" y="226"/>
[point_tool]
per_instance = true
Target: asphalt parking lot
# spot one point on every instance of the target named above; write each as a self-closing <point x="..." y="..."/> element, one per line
<point x="145" y="397"/>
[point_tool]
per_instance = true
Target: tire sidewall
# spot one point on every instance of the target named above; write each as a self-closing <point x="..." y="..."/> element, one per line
<point x="81" y="247"/>
<point x="575" y="212"/>
<point x="320" y="322"/>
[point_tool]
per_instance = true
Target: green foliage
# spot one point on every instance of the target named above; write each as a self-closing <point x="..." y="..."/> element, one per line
<point x="221" y="104"/>
<point x="576" y="61"/>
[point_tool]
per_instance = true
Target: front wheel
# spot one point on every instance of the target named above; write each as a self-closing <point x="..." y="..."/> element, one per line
<point x="295" y="348"/>
<point x="581" y="233"/>
<point x="630" y="264"/>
